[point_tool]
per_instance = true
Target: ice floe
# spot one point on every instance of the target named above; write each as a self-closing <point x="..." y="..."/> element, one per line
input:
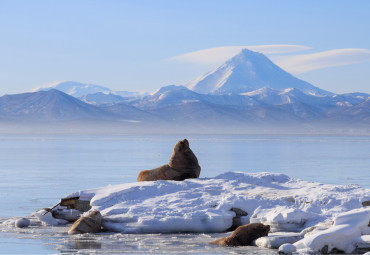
<point x="205" y="205"/>
<point x="306" y="210"/>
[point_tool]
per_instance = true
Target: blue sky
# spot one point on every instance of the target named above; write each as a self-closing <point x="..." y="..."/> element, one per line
<point x="142" y="45"/>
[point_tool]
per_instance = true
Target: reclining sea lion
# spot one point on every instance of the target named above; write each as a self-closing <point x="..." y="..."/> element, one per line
<point x="244" y="235"/>
<point x="90" y="223"/>
<point x="183" y="164"/>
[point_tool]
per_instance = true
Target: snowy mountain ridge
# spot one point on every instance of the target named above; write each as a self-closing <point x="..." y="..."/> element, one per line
<point x="247" y="90"/>
<point x="80" y="90"/>
<point x="181" y="106"/>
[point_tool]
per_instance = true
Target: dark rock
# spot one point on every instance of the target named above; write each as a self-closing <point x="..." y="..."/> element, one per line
<point x="325" y="250"/>
<point x="237" y="219"/>
<point x="366" y="203"/>
<point x="75" y="203"/>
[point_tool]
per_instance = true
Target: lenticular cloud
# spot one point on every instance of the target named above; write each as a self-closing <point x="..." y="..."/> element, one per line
<point x="221" y="54"/>
<point x="314" y="61"/>
<point x="293" y="64"/>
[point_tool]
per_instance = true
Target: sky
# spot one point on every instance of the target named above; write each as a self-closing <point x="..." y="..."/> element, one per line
<point x="142" y="45"/>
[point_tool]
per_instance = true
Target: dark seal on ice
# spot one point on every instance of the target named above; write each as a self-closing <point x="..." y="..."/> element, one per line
<point x="244" y="235"/>
<point x="183" y="164"/>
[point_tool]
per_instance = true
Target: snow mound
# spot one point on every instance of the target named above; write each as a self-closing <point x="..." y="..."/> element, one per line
<point x="343" y="235"/>
<point x="204" y="205"/>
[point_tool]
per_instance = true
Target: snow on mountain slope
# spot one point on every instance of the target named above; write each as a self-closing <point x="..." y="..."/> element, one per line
<point x="359" y="113"/>
<point x="269" y="96"/>
<point x="81" y="90"/>
<point x="77" y="89"/>
<point x="248" y="71"/>
<point x="165" y="96"/>
<point x="177" y="95"/>
<point x="179" y="104"/>
<point x="101" y="98"/>
<point x="352" y="98"/>
<point x="322" y="104"/>
<point x="264" y="105"/>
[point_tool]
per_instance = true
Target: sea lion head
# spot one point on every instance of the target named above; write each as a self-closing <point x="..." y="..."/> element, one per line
<point x="184" y="160"/>
<point x="181" y="146"/>
<point x="244" y="235"/>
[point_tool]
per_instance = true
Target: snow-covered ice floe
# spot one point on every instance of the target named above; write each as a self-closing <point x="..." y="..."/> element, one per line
<point x="210" y="205"/>
<point x="204" y="205"/>
<point x="346" y="234"/>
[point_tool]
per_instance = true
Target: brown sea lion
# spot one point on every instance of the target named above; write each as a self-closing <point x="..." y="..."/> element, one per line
<point x="90" y="223"/>
<point x="244" y="235"/>
<point x="183" y="164"/>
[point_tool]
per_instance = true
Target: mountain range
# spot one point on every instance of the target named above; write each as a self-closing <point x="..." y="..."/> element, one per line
<point x="246" y="91"/>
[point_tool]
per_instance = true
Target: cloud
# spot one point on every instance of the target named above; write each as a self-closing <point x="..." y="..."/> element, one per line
<point x="293" y="63"/>
<point x="221" y="54"/>
<point x="46" y="86"/>
<point x="309" y="62"/>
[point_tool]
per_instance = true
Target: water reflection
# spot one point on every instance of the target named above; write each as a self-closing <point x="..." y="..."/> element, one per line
<point x="85" y="243"/>
<point x="49" y="240"/>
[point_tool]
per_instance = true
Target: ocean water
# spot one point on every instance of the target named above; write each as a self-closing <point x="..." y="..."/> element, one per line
<point x="36" y="171"/>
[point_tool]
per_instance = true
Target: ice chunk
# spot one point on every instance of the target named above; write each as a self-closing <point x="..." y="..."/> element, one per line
<point x="22" y="223"/>
<point x="46" y="218"/>
<point x="287" y="248"/>
<point x="275" y="240"/>
<point x="342" y="235"/>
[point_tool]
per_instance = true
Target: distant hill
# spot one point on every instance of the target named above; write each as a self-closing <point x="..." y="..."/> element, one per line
<point x="51" y="105"/>
<point x="55" y="106"/>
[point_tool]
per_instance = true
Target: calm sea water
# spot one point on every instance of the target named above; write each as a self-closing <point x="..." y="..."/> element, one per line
<point x="36" y="171"/>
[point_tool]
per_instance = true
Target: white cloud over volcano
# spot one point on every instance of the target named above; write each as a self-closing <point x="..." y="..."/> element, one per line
<point x="292" y="63"/>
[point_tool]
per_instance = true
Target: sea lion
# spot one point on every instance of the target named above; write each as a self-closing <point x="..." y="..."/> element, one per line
<point x="91" y="223"/>
<point x="244" y="235"/>
<point x="183" y="164"/>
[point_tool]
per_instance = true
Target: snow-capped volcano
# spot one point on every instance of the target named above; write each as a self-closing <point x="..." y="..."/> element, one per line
<point x="248" y="71"/>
